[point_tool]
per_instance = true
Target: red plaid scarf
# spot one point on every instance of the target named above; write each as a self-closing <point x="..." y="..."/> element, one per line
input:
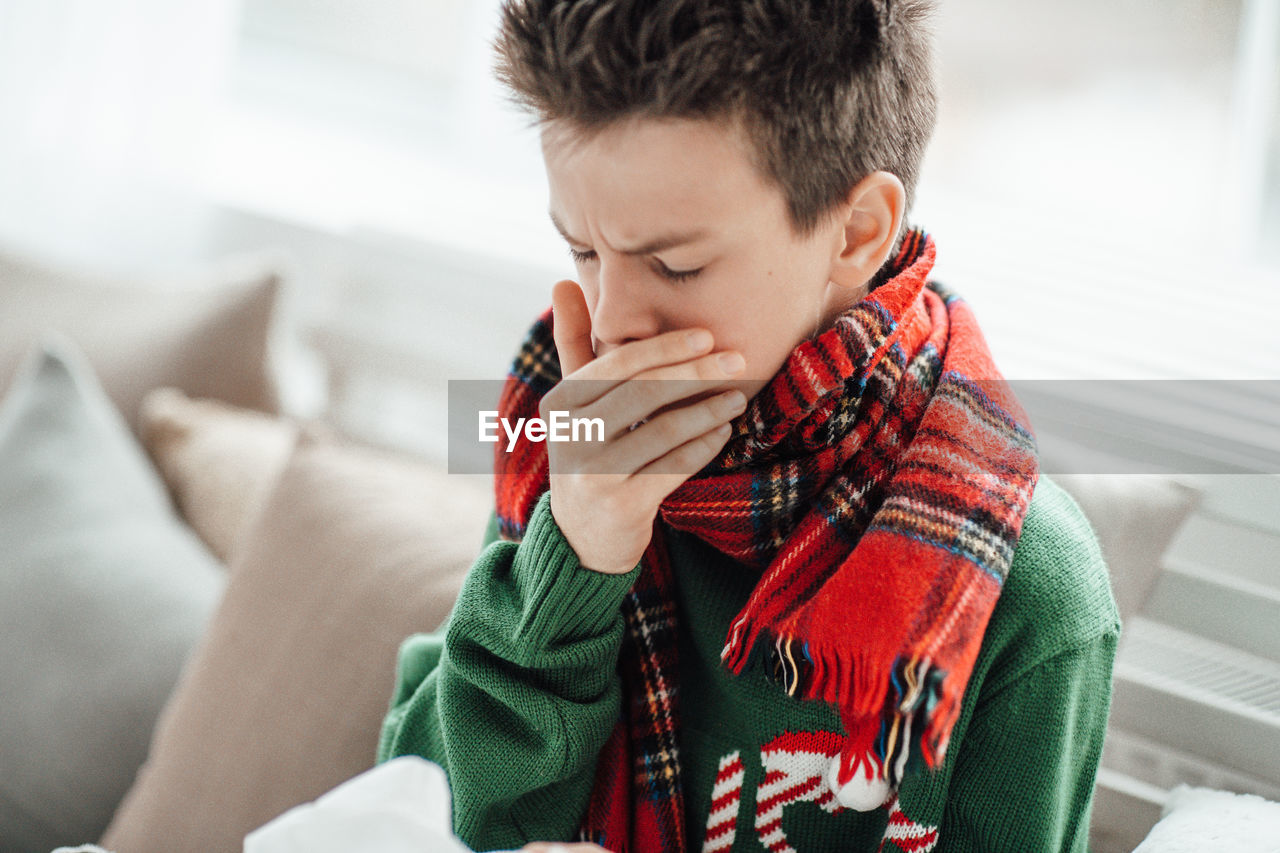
<point x="880" y="481"/>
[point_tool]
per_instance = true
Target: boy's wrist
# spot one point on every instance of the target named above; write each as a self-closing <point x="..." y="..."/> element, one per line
<point x="563" y="600"/>
<point x="596" y="565"/>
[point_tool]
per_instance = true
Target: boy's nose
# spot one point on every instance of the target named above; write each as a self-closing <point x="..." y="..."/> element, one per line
<point x="621" y="313"/>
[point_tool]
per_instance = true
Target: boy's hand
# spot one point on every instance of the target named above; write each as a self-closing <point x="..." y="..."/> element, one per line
<point x="605" y="495"/>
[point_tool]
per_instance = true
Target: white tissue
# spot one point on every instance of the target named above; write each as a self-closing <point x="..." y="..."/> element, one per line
<point x="402" y="806"/>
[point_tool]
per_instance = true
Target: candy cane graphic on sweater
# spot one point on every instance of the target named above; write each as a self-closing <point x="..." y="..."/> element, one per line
<point x="795" y="767"/>
<point x="907" y="834"/>
<point x="726" y="796"/>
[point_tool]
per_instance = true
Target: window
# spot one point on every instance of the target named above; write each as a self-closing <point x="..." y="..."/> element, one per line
<point x="1106" y="164"/>
<point x="380" y="116"/>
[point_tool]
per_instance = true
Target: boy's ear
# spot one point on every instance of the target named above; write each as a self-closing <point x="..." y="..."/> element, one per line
<point x="873" y="215"/>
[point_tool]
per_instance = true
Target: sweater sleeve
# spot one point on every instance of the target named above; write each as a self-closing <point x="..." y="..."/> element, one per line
<point x="1030" y="736"/>
<point x="1024" y="778"/>
<point x="518" y="693"/>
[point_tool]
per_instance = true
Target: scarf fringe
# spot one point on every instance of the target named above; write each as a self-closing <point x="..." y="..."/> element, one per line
<point x="899" y="715"/>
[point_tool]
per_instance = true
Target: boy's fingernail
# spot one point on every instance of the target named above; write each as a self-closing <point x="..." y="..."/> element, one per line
<point x="735" y="402"/>
<point x="699" y="340"/>
<point x="732" y="363"/>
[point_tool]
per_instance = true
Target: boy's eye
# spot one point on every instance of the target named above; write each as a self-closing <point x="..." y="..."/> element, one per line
<point x="676" y="275"/>
<point x="666" y="272"/>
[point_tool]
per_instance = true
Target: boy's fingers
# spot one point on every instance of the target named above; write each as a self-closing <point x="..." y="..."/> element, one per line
<point x="664" y="475"/>
<point x="571" y="326"/>
<point x="652" y="392"/>
<point x="630" y="360"/>
<point x="635" y="380"/>
<point x="654" y="439"/>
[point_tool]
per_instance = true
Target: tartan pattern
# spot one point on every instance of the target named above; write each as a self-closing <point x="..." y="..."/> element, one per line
<point x="879" y="481"/>
<point x="652" y="720"/>
<point x="643" y="809"/>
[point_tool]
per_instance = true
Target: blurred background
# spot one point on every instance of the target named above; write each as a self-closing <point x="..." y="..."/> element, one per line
<point x="1114" y="162"/>
<point x="1104" y="186"/>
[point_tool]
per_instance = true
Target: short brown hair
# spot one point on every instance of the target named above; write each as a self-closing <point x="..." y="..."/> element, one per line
<point x="828" y="92"/>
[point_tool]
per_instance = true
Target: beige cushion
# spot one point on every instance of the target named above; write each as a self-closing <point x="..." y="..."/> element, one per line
<point x="219" y="461"/>
<point x="206" y="332"/>
<point x="284" y="697"/>
<point x="1135" y="517"/>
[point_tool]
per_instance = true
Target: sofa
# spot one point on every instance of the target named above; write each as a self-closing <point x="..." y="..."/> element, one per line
<point x="202" y="597"/>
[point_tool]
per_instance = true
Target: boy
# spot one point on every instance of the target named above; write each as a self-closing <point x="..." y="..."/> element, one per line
<point x="802" y="598"/>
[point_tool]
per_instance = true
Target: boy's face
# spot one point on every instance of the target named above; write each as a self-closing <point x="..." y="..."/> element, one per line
<point x="672" y="226"/>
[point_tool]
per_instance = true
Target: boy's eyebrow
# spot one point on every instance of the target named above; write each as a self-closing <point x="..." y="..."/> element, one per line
<point x="666" y="241"/>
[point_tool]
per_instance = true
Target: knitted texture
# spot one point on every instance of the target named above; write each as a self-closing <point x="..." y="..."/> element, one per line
<point x="516" y="698"/>
<point x="726" y="799"/>
<point x="880" y="481"/>
<point x="1019" y="771"/>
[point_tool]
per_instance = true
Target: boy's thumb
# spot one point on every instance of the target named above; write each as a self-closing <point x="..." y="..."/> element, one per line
<point x="571" y="326"/>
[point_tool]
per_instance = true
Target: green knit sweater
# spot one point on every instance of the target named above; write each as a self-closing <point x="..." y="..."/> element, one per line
<point x="517" y="693"/>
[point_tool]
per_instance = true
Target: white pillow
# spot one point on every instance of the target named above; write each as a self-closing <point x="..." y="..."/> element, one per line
<point x="1196" y="820"/>
<point x="103" y="592"/>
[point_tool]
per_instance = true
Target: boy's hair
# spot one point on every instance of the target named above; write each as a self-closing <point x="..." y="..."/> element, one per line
<point x="827" y="92"/>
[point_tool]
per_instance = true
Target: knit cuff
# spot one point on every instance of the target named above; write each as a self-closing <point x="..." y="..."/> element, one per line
<point x="562" y="600"/>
